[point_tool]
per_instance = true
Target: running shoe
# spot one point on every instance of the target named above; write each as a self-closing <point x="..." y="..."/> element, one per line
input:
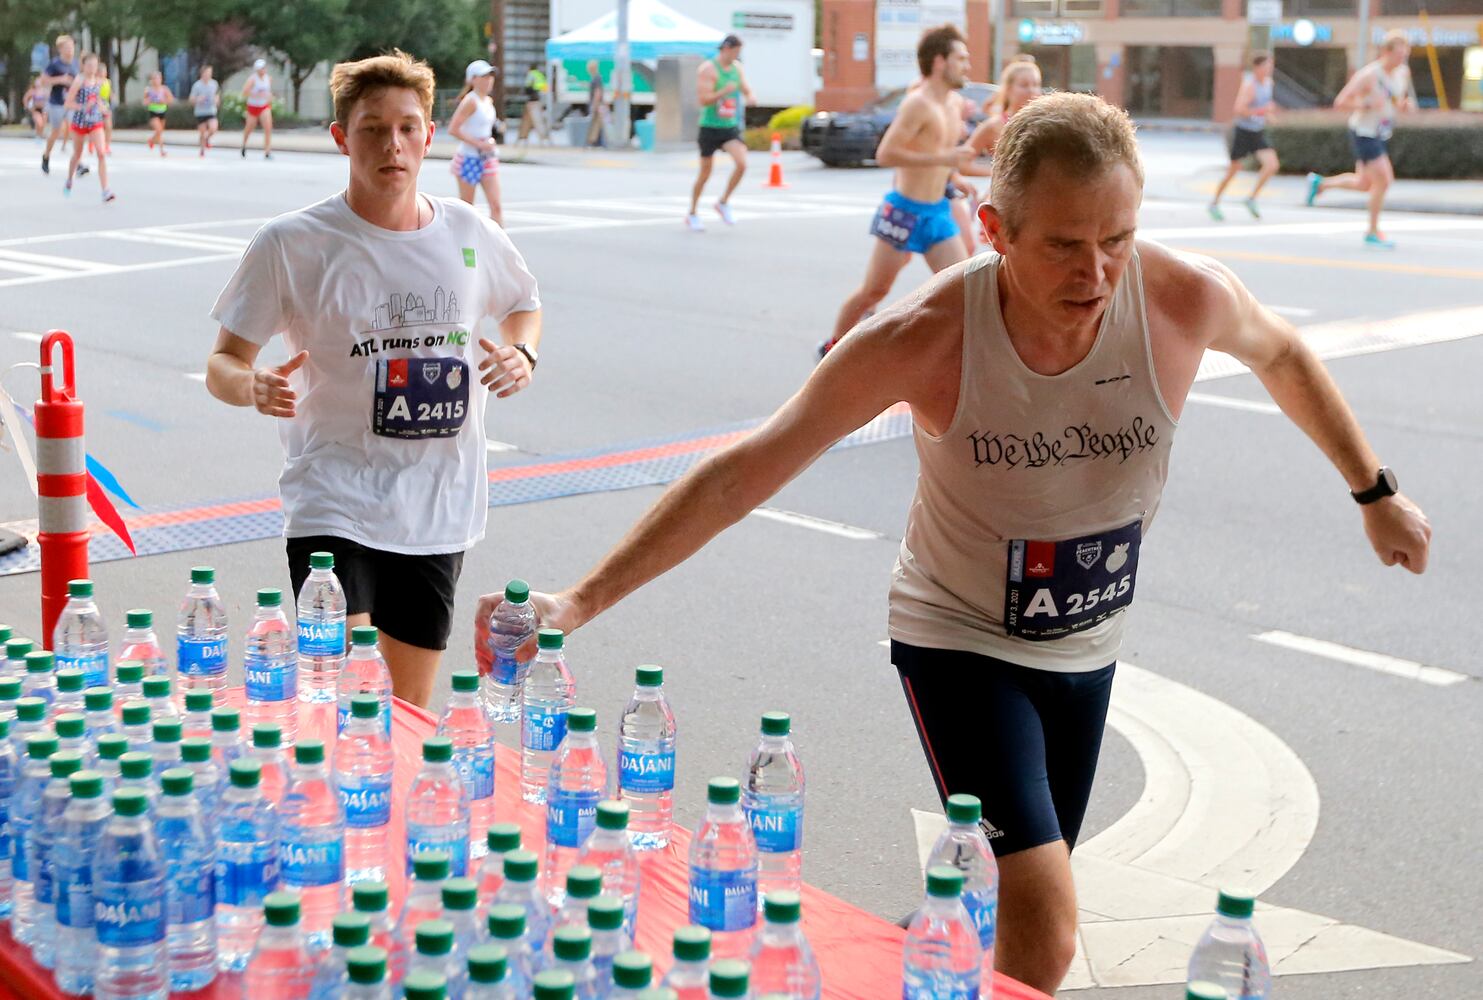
<point x="1251" y="206"/>
<point x="149" y="143"/>
<point x="1378" y="242"/>
<point x="693" y="223"/>
<point x="1314" y="180"/>
<point x="267" y="156"/>
<point x="244" y="152"/>
<point x="82" y="170"/>
<point x="724" y="211"/>
<point x="108" y="196"/>
<point x="67" y="190"/>
<point x="1215" y="212"/>
<point x="46" y="164"/>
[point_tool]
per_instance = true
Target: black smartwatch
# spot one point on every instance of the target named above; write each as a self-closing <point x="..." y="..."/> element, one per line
<point x="530" y="355"/>
<point x="1386" y="485"/>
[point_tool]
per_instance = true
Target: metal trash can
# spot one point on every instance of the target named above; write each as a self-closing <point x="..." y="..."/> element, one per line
<point x="576" y="129"/>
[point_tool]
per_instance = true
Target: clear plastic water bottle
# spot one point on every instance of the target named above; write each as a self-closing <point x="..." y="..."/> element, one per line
<point x="13" y="650"/>
<point x="348" y="931"/>
<point x="646" y="761"/>
<point x="9" y="775"/>
<point x="72" y="734"/>
<point x="97" y="712"/>
<point x="311" y="828"/>
<point x="731" y="979"/>
<point x="128" y="683"/>
<point x="109" y="761"/>
<point x="425" y="985"/>
<point x="610" y="849"/>
<point x="270" y="667"/>
<point x="489" y="974"/>
<point x="583" y="885"/>
<point x="201" y="634"/>
<point x="136" y="724"/>
<point x="461" y="909"/>
<point x="196" y="719"/>
<point x="366" y="975"/>
<point x="774" y="805"/>
<point x="942" y="957"/>
<point x="510" y="626"/>
<point x="226" y="737"/>
<point x="158" y="692"/>
<point x="267" y="750"/>
<point x="136" y="770"/>
<point x="82" y="827"/>
<point x="435" y="954"/>
<point x="42" y="844"/>
<point x="632" y="973"/>
<point x="80" y="638"/>
<point x="30" y="720"/>
<point x="25" y="814"/>
<point x="69" y="691"/>
<point x="424" y="902"/>
<point x="547" y="696"/>
<point x="438" y="807"/>
<point x="281" y="967"/>
<point x="571" y="951"/>
<point x="129" y="905"/>
<point x="364" y="673"/>
<point x="374" y="900"/>
<point x="246" y="864"/>
<point x="10" y="693"/>
<point x="195" y="755"/>
<point x="466" y="724"/>
<point x="690" y="975"/>
<point x="610" y="936"/>
<point x="1230" y="953"/>
<point x="41" y="677"/>
<point x="782" y="961"/>
<point x="578" y="782"/>
<point x="166" y="745"/>
<point x="501" y="840"/>
<point x="189" y="849"/>
<point x="522" y="890"/>
<point x="363" y="768"/>
<point x="723" y="872"/>
<point x="963" y="846"/>
<point x="321" y="631"/>
<point x="140" y="643"/>
<point x="506" y="925"/>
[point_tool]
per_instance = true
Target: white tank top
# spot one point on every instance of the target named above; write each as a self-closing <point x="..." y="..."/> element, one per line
<point x="1029" y="460"/>
<point x="1379" y="123"/>
<point x="260" y="90"/>
<point x="480" y="122"/>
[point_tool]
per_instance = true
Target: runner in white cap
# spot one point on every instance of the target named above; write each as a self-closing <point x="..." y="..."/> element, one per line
<point x="476" y="162"/>
<point x="257" y="92"/>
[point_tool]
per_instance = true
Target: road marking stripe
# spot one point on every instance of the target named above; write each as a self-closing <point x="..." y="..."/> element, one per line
<point x="34" y="338"/>
<point x="816" y="524"/>
<point x="1295" y="312"/>
<point x="1231" y="403"/>
<point x="196" y="376"/>
<point x="188" y="241"/>
<point x="153" y="265"/>
<point x="55" y="237"/>
<point x="48" y="260"/>
<point x="1355" y="228"/>
<point x="1334" y="263"/>
<point x="1379" y="662"/>
<point x="498" y="446"/>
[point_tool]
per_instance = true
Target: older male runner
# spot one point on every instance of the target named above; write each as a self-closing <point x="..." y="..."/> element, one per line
<point x="1045" y="380"/>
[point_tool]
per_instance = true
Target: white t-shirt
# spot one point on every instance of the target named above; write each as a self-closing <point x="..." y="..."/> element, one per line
<point x="387" y="448"/>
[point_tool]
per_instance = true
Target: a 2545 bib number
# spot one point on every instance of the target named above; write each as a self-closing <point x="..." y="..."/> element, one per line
<point x="1056" y="589"/>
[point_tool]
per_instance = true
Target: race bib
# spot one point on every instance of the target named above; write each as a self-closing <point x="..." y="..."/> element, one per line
<point x="1056" y="589"/>
<point x="894" y="225"/>
<point x="726" y="107"/>
<point x="420" y="397"/>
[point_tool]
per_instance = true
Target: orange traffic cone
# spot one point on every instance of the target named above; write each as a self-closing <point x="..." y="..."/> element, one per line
<point x="775" y="175"/>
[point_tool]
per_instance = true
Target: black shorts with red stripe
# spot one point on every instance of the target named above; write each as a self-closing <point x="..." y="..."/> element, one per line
<point x="1025" y="741"/>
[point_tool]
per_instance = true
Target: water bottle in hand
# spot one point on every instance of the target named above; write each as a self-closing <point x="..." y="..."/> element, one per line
<point x="942" y="959"/>
<point x="511" y="625"/>
<point x="321" y="630"/>
<point x="201" y="635"/>
<point x="1230" y="953"/>
<point x="548" y="695"/>
<point x="80" y="639"/>
<point x="774" y="805"/>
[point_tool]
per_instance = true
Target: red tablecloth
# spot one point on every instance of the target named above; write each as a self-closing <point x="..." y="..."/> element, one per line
<point x="859" y="954"/>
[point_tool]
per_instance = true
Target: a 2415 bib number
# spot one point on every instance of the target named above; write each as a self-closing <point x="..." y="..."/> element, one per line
<point x="420" y="397"/>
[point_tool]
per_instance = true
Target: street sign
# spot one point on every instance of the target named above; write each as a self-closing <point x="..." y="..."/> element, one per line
<point x="1263" y="11"/>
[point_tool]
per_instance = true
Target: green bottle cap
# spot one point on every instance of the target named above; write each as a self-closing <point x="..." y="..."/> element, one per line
<point x="424" y="985"/>
<point x="70" y="726"/>
<point x="612" y="815"/>
<point x="605" y="913"/>
<point x="136" y="765"/>
<point x="178" y="781"/>
<point x="776" y="723"/>
<point x="944" y="882"/>
<point x="40" y="746"/>
<point x="98" y="699"/>
<point x="112" y="746"/>
<point x="434" y="937"/>
<point x="70" y="680"/>
<point x="554" y="984"/>
<point x="136" y="713"/>
<point x="365" y="706"/>
<point x="16" y="649"/>
<point x="431" y="866"/>
<point x="723" y="791"/>
<point x="225" y="720"/>
<point x="437" y="750"/>
<point x="517" y="591"/>
<point x="6" y="632"/>
<point x="203" y="574"/>
<point x="40" y="661"/>
<point x="246" y="773"/>
<point x="195" y="750"/>
<point x="649" y="676"/>
<point x="364" y="635"/>
<point x="632" y="970"/>
<point x="321" y="560"/>
<point x="269" y="597"/>
<point x="521" y="866"/>
<point x="465" y="680"/>
<point x="584" y="882"/>
<point x="281" y="909"/>
<point x="309" y="752"/>
<point x="156" y="686"/>
<point x="488" y="964"/>
<point x="130" y="802"/>
<point x="30" y="709"/>
<point x="10" y="688"/>
<point x="199" y="701"/>
<point x="506" y="922"/>
<point x="1205" y="991"/>
<point x="65" y="763"/>
<point x="139" y="618"/>
<point x="87" y="785"/>
<point x="370" y="897"/>
<point x="366" y="965"/>
<point x="1235" y="903"/>
<point x="460" y="894"/>
<point x="4" y="728"/>
<point x="729" y="978"/>
<point x="79" y="588"/>
<point x="550" y="638"/>
<point x="167" y="731"/>
<point x="129" y="671"/>
<point x="572" y="943"/>
<point x="503" y="838"/>
<point x="782" y="906"/>
<point x="581" y="720"/>
<point x="267" y="736"/>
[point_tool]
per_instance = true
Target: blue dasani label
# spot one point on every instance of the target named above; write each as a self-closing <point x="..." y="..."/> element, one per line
<point x="777" y="830"/>
<point x="94" y="668"/>
<point x="192" y="894"/>
<point x="322" y="638"/>
<point x="723" y="900"/>
<point x="505" y="669"/>
<point x="541" y="729"/>
<point x="982" y="908"/>
<point x="201" y="657"/>
<point x="128" y="916"/>
<point x="646" y="772"/>
<point x="571" y="817"/>
<point x="342" y="718"/>
<point x="245" y="883"/>
<point x="458" y="852"/>
<point x="367" y="804"/>
<point x="266" y="680"/>
<point x="74" y="892"/>
<point x="475" y="767"/>
<point x="311" y="864"/>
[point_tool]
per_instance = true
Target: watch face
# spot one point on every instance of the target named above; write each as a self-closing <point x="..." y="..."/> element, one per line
<point x="1388" y="478"/>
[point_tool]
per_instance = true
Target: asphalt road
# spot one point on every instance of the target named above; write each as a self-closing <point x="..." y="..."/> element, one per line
<point x="653" y="332"/>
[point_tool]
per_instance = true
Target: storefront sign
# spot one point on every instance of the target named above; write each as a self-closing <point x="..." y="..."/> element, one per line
<point x="746" y="21"/>
<point x="1263" y="11"/>
<point x="1032" y="32"/>
<point x="860" y="50"/>
<point x="898" y="27"/>
<point x="1303" y="32"/>
<point x="1440" y="37"/>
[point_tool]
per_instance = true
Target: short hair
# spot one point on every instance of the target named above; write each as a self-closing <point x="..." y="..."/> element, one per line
<point x="65" y="38"/>
<point x="1260" y="59"/>
<point x="1023" y="57"/>
<point x="1395" y="37"/>
<point x="936" y="42"/>
<point x="731" y="42"/>
<point x="1081" y="134"/>
<point x="351" y="81"/>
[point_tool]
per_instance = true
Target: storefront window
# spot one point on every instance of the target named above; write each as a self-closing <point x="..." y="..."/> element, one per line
<point x="1310" y="77"/>
<point x="1319" y="8"/>
<point x="1035" y="8"/>
<point x="1171" y="81"/>
<point x="1407" y="8"/>
<point x="1170" y="8"/>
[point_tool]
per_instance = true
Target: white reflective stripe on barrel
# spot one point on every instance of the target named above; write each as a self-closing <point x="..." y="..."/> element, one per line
<point x="60" y="456"/>
<point x="63" y="515"/>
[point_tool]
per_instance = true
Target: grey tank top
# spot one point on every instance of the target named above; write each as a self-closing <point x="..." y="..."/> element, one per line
<point x="1261" y="98"/>
<point x="1036" y="458"/>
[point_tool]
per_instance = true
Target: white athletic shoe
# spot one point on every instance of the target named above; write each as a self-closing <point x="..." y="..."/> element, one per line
<point x="693" y="223"/>
<point x="724" y="211"/>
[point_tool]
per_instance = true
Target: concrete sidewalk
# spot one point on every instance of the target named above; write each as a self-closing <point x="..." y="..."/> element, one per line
<point x="1442" y="197"/>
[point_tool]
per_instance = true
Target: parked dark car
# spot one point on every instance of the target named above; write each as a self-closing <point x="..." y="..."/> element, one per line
<point x="849" y="138"/>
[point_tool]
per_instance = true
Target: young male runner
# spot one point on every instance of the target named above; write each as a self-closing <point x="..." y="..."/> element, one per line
<point x="718" y="83"/>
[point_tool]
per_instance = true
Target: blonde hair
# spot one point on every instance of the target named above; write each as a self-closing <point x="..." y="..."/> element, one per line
<point x="1081" y="134"/>
<point x="1395" y="37"/>
<point x="351" y="81"/>
<point x="1012" y="69"/>
<point x="65" y="38"/>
